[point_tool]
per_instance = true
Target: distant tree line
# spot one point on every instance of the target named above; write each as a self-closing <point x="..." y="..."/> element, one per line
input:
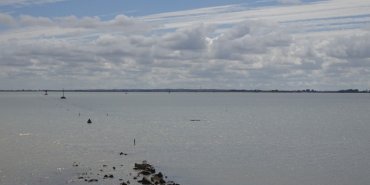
<point x="195" y="90"/>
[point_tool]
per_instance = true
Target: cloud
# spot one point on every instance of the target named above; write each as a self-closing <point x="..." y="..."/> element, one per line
<point x="30" y="27"/>
<point x="290" y="1"/>
<point x="350" y="47"/>
<point x="35" y="21"/>
<point x="26" y="2"/>
<point x="314" y="16"/>
<point x="249" y="39"/>
<point x="6" y="20"/>
<point x="191" y="38"/>
<point x="130" y="52"/>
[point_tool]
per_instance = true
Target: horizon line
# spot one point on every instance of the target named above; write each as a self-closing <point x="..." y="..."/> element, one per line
<point x="188" y="90"/>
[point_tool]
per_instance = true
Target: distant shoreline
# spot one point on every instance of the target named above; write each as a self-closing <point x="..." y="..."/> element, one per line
<point x="194" y="90"/>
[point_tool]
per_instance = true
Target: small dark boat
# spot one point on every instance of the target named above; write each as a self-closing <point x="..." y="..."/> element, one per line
<point x="89" y="121"/>
<point x="63" y="97"/>
<point x="46" y="92"/>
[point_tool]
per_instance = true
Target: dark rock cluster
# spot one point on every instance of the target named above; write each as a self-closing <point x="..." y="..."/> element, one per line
<point x="145" y="174"/>
<point x="149" y="175"/>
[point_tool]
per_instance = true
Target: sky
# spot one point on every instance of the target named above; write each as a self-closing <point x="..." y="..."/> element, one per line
<point x="122" y="44"/>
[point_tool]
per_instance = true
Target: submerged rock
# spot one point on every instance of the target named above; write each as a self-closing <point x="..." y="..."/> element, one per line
<point x="75" y="164"/>
<point x="144" y="167"/>
<point x="172" y="183"/>
<point x="160" y="175"/>
<point x="144" y="180"/>
<point x="145" y="172"/>
<point x="110" y="176"/>
<point x="157" y="180"/>
<point x="92" y="180"/>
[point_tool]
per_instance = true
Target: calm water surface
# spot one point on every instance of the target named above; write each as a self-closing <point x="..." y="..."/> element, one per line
<point x="256" y="139"/>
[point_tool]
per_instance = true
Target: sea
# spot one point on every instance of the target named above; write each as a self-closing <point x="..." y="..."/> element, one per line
<point x="192" y="138"/>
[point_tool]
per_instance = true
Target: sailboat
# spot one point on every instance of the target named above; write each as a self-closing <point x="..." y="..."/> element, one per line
<point x="63" y="97"/>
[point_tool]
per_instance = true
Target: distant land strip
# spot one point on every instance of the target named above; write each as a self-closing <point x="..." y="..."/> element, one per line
<point x="194" y="90"/>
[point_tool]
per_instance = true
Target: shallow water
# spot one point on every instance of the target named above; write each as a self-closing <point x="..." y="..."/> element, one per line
<point x="237" y="138"/>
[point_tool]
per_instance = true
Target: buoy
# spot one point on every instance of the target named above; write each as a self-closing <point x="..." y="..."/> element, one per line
<point x="89" y="121"/>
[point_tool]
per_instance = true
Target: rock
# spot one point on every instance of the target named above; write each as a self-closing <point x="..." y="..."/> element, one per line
<point x="145" y="172"/>
<point x="108" y="176"/>
<point x="123" y="183"/>
<point x="93" y="180"/>
<point x="75" y="164"/>
<point x="160" y="175"/>
<point x="144" y="181"/>
<point x="152" y="170"/>
<point x="158" y="180"/>
<point x="172" y="183"/>
<point x="144" y="167"/>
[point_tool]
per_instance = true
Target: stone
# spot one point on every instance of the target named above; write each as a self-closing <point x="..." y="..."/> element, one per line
<point x="108" y="176"/>
<point x="160" y="175"/>
<point x="144" y="181"/>
<point x="158" y="180"/>
<point x="93" y="180"/>
<point x="145" y="172"/>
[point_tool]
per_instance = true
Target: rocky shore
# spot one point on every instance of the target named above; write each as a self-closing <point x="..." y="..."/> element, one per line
<point x="120" y="174"/>
<point x="149" y="175"/>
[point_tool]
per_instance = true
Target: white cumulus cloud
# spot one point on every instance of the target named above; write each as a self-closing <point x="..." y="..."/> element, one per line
<point x="235" y="51"/>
